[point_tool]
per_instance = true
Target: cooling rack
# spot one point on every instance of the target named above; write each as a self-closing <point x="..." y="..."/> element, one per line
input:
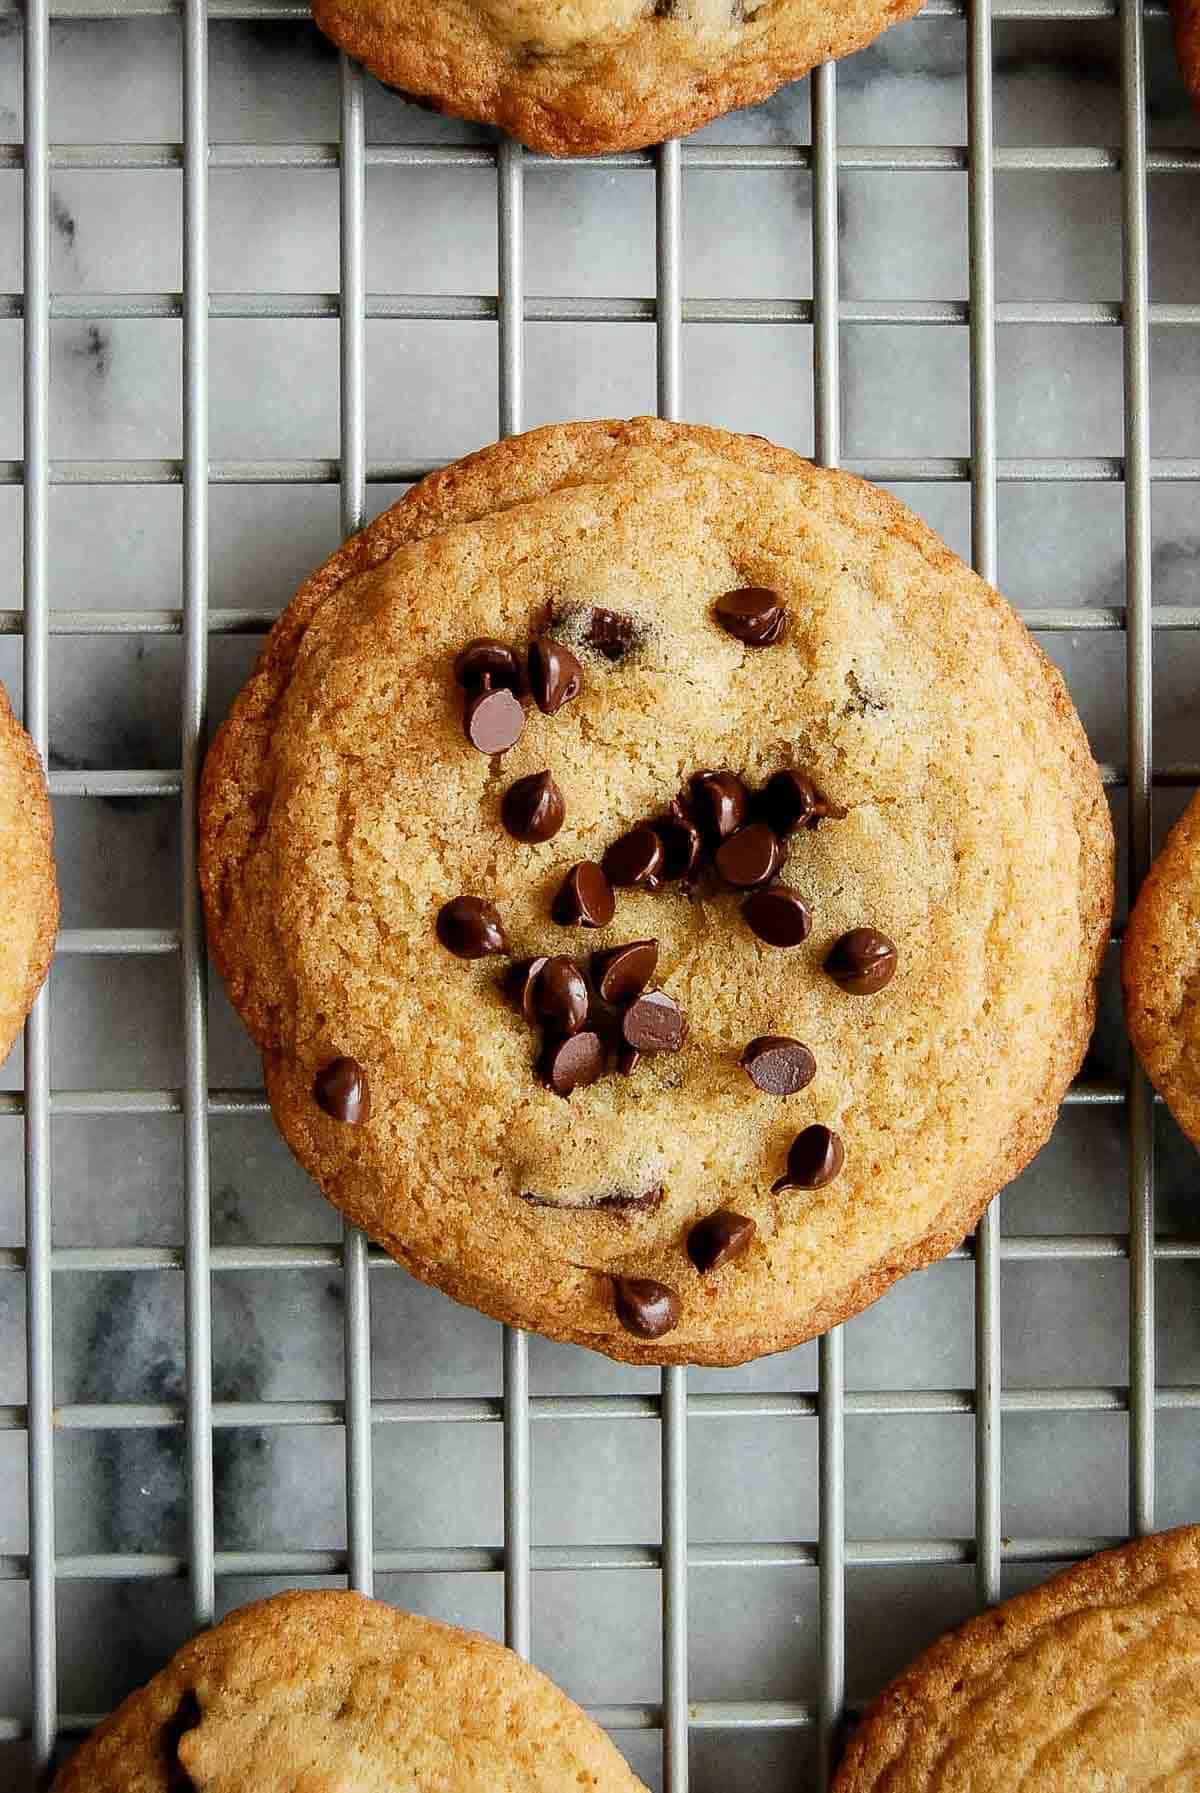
<point x="516" y="1410"/>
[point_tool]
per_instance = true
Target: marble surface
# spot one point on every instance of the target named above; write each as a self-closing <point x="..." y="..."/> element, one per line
<point x="432" y="392"/>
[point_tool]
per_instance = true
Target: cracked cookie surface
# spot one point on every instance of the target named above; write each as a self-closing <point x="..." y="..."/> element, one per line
<point x="334" y="1693"/>
<point x="1160" y="972"/>
<point x="598" y="75"/>
<point x="342" y="807"/>
<point x="29" y="910"/>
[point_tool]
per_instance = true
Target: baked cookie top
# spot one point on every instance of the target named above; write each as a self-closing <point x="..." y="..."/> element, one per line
<point x="335" y="1693"/>
<point x="599" y="74"/>
<point x="1092" y="1680"/>
<point x="1160" y="972"/>
<point x="1186" y="17"/>
<point x="343" y="809"/>
<point x="28" y="888"/>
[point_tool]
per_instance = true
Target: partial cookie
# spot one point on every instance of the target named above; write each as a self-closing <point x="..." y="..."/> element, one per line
<point x="1160" y="972"/>
<point x="335" y="1693"/>
<point x="600" y="74"/>
<point x="28" y="889"/>
<point x="1186" y="16"/>
<point x="844" y="1027"/>
<point x="1091" y="1681"/>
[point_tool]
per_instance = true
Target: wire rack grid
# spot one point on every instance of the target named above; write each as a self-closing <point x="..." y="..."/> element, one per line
<point x="672" y="1409"/>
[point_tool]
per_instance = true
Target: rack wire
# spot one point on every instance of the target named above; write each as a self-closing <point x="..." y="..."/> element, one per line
<point x="516" y="1411"/>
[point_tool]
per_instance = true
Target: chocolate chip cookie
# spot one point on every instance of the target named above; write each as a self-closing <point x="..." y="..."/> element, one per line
<point x="600" y="74"/>
<point x="1186" y="17"/>
<point x="328" y="1690"/>
<point x="638" y="830"/>
<point x="1160" y="972"/>
<point x="29" y="905"/>
<point x="1089" y="1681"/>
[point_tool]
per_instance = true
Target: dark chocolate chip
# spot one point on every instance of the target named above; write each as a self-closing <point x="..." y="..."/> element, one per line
<point x="779" y="916"/>
<point x="719" y="1239"/>
<point x="342" y="1090"/>
<point x="789" y="800"/>
<point x="751" y="857"/>
<point x="568" y="1063"/>
<point x="814" y="1158"/>
<point x="654" y="1023"/>
<point x="560" y="995"/>
<point x="616" y="1200"/>
<point x="635" y="859"/>
<point x="628" y="1061"/>
<point x="623" y="972"/>
<point x="488" y="662"/>
<point x="493" y="720"/>
<point x="778" y="1065"/>
<point x="520" y="983"/>
<point x="532" y="808"/>
<point x="720" y="802"/>
<point x="610" y="633"/>
<point x="555" y="675"/>
<point x="585" y="898"/>
<point x="862" y="961"/>
<point x="681" y="844"/>
<point x="470" y="927"/>
<point x="754" y="616"/>
<point x="186" y="1717"/>
<point x="645" y="1308"/>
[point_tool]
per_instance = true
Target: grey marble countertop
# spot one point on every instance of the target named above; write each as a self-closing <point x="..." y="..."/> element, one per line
<point x="432" y="393"/>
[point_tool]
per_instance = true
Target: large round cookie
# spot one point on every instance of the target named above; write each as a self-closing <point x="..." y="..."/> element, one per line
<point x="1160" y="972"/>
<point x="600" y="74"/>
<point x="28" y="889"/>
<point x="333" y="1693"/>
<point x="1091" y="1681"/>
<point x="342" y="807"/>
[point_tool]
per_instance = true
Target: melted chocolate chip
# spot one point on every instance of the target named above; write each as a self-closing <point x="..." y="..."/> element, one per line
<point x="470" y="927"/>
<point x="560" y="995"/>
<point x="645" y="1308"/>
<point x="610" y="633"/>
<point x="777" y="1065"/>
<point x="681" y="844"/>
<point x="585" y="898"/>
<point x="186" y="1717"/>
<point x="778" y="916"/>
<point x="532" y="808"/>
<point x="342" y="1090"/>
<point x="488" y="664"/>
<point x="616" y="1200"/>
<point x="571" y="1062"/>
<point x="754" y="616"/>
<point x="750" y="858"/>
<point x="555" y="675"/>
<point x="862" y="961"/>
<point x="654" y="1023"/>
<point x="720" y="803"/>
<point x="493" y="719"/>
<point x="790" y="800"/>
<point x="635" y="859"/>
<point x="623" y="972"/>
<point x="719" y="1239"/>
<point x="814" y="1158"/>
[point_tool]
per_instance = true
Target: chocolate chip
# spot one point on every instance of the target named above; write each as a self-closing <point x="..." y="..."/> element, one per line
<point x="585" y="898"/>
<point x="186" y="1717"/>
<point x="610" y="633"/>
<point x="635" y="859"/>
<point x="719" y="1239"/>
<point x="488" y="663"/>
<point x="470" y="928"/>
<point x="628" y="1061"/>
<point x="623" y="972"/>
<point x="645" y="1308"/>
<point x="814" y="1158"/>
<point x="493" y="720"/>
<point x="654" y="1023"/>
<point x="789" y="800"/>
<point x="754" y="616"/>
<point x="862" y="961"/>
<point x="568" y="1063"/>
<point x="555" y="675"/>
<point x="777" y="1065"/>
<point x="751" y="857"/>
<point x="532" y="808"/>
<point x="779" y="916"/>
<point x="520" y="983"/>
<point x="720" y="803"/>
<point x="560" y="995"/>
<point x="342" y="1090"/>
<point x="615" y="1201"/>
<point x="681" y="844"/>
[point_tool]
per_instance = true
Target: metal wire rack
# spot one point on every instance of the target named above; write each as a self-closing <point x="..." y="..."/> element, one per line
<point x="516" y="1410"/>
